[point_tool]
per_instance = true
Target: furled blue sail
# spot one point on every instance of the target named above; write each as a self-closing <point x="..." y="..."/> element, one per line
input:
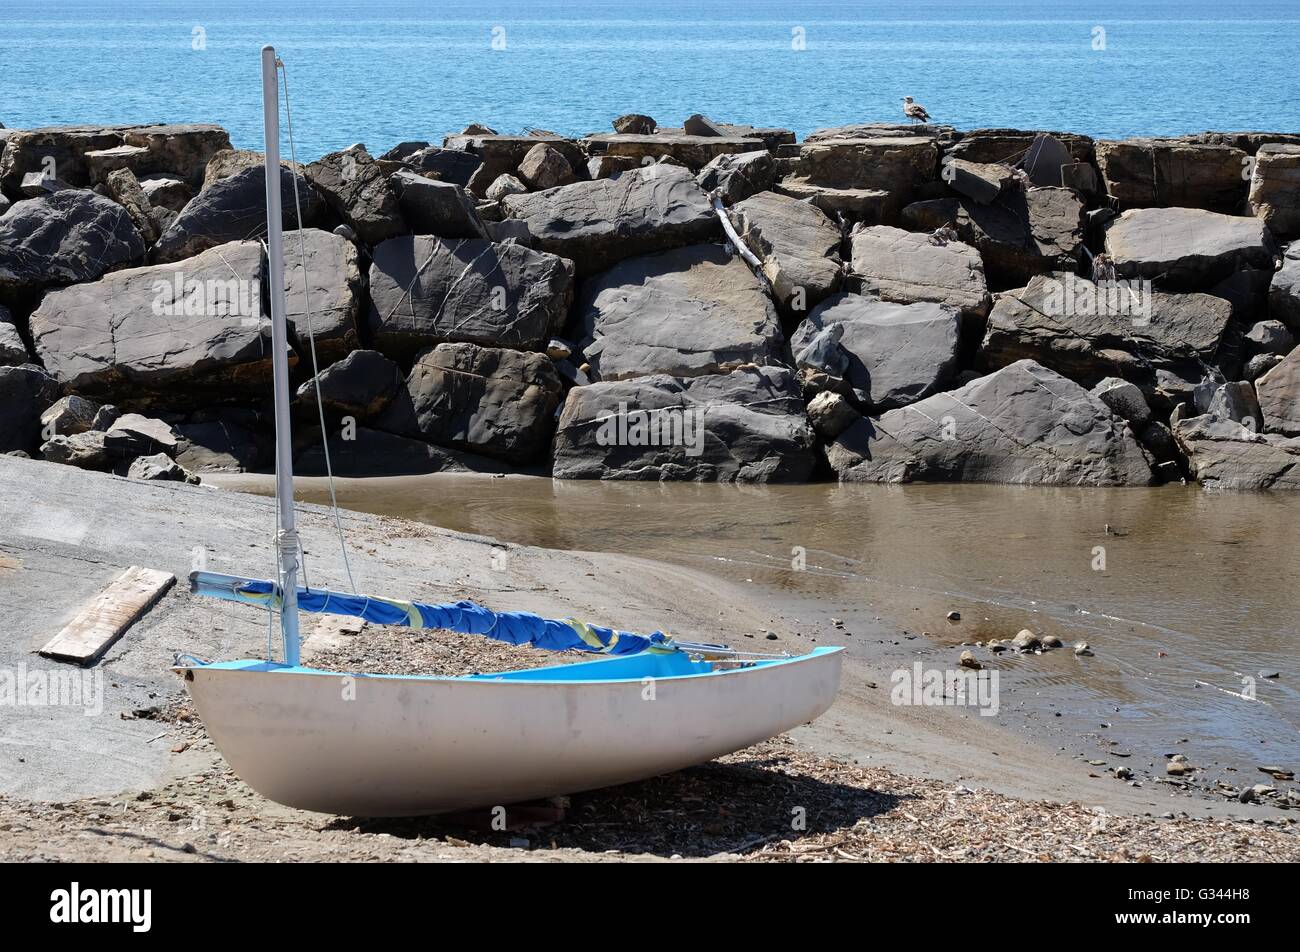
<point x="516" y="628"/>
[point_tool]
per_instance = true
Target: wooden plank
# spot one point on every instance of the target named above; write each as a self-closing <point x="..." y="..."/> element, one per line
<point x="108" y="615"/>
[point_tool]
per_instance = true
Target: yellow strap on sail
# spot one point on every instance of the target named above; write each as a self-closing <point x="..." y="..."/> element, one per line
<point x="413" y="616"/>
<point x="583" y="631"/>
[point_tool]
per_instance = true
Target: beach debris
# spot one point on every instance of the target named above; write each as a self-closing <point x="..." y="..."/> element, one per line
<point x="107" y="616"/>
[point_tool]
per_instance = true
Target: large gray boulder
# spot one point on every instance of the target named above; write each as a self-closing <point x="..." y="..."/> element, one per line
<point x="26" y="392"/>
<point x="69" y="415"/>
<point x="432" y="207"/>
<point x="745" y="426"/>
<point x="1088" y="331"/>
<point x="798" y="245"/>
<point x="160" y="468"/>
<point x="353" y="184"/>
<point x="182" y="150"/>
<point x="124" y="188"/>
<point x="635" y="123"/>
<point x="597" y="224"/>
<point x="982" y="181"/>
<point x="736" y="177"/>
<point x="361" y="385"/>
<point x="906" y="267"/>
<point x="220" y="445"/>
<point x="1158" y="172"/>
<point x="166" y="191"/>
<point x="72" y="235"/>
<point x="1222" y="454"/>
<point x="229" y="162"/>
<point x="1024" y="233"/>
<point x="456" y="166"/>
<point x="692" y="151"/>
<point x="13" y="350"/>
<point x="896" y="164"/>
<point x="1275" y="189"/>
<point x="1036" y="151"/>
<point x="506" y="152"/>
<point x="333" y="289"/>
<point x="1279" y="396"/>
<point x="1022" y="424"/>
<point x="178" y="332"/>
<point x="544" y="167"/>
<point x="893" y="354"/>
<point x="685" y="312"/>
<point x="1186" y="247"/>
<point x="867" y="206"/>
<point x="1284" y="292"/>
<point x="424" y="290"/>
<point x="234" y="209"/>
<point x="500" y="403"/>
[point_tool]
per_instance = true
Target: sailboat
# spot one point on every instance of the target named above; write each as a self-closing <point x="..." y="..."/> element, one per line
<point x="396" y="745"/>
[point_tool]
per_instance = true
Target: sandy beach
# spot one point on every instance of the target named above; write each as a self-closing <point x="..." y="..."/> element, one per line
<point x="140" y="780"/>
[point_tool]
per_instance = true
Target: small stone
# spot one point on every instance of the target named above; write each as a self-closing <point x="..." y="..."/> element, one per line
<point x="1123" y="773"/>
<point x="1051" y="641"/>
<point x="504" y="185"/>
<point x="954" y="616"/>
<point x="967" y="660"/>
<point x="557" y="349"/>
<point x="1083" y="649"/>
<point x="1025" y="640"/>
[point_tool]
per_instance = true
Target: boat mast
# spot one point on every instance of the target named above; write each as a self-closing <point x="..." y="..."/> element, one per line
<point x="287" y="537"/>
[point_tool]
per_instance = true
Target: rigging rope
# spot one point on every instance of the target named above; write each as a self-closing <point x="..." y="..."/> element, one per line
<point x="311" y="332"/>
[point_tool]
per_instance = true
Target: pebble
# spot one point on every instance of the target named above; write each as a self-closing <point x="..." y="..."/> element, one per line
<point x="954" y="616"/>
<point x="1025" y="640"/>
<point x="1083" y="649"/>
<point x="967" y="660"/>
<point x="1123" y="773"/>
<point x="1051" y="641"/>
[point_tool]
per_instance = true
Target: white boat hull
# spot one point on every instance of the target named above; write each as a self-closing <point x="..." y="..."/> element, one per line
<point x="401" y="746"/>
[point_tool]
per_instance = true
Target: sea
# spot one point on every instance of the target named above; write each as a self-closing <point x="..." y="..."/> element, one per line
<point x="383" y="71"/>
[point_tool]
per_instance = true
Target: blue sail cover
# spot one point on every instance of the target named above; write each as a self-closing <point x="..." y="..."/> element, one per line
<point x="516" y="628"/>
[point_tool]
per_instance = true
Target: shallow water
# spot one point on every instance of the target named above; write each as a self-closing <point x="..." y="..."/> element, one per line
<point x="1198" y="592"/>
<point x="383" y="70"/>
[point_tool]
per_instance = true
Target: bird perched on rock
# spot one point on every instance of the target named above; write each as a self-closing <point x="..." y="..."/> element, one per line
<point x="914" y="110"/>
